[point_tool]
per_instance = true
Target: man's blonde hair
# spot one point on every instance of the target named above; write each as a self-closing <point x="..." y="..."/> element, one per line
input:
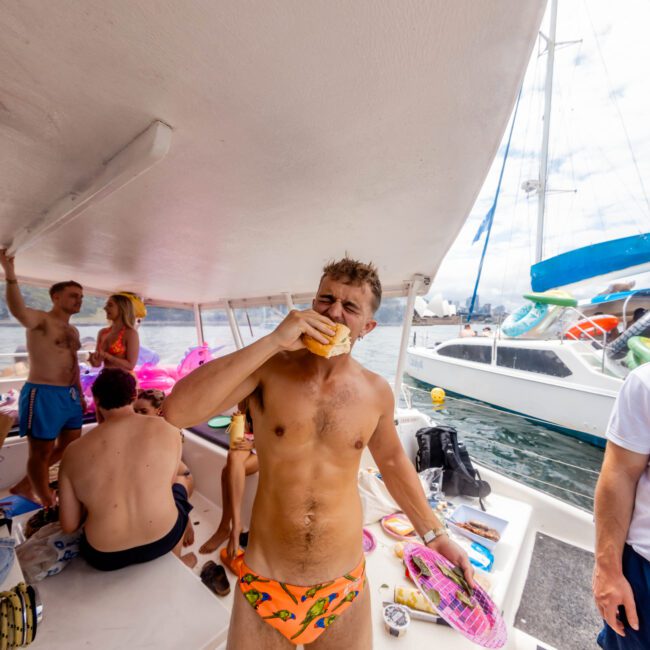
<point x="356" y="273"/>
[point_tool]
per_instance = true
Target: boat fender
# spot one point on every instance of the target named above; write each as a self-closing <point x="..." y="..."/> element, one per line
<point x="437" y="395"/>
<point x="524" y="319"/>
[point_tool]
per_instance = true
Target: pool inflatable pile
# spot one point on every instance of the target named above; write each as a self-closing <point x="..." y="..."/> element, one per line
<point x="151" y="375"/>
<point x="536" y="316"/>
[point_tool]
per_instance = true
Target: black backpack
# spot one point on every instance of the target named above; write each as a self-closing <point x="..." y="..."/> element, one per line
<point x="440" y="447"/>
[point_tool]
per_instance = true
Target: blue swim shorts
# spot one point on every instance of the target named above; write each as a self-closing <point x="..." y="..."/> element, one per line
<point x="637" y="571"/>
<point x="44" y="410"/>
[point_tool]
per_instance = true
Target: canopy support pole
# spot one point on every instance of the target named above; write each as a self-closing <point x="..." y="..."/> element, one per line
<point x="198" y="322"/>
<point x="236" y="334"/>
<point x="413" y="287"/>
<point x="139" y="155"/>
<point x="543" y="159"/>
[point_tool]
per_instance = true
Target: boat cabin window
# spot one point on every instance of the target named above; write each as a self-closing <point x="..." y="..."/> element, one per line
<point x="217" y="332"/>
<point x="543" y="362"/>
<point x="256" y="322"/>
<point x="477" y="353"/>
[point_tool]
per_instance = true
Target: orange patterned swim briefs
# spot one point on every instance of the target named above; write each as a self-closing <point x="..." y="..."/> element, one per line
<point x="301" y="614"/>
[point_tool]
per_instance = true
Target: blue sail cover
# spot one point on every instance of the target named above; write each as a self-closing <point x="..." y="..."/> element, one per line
<point x="590" y="262"/>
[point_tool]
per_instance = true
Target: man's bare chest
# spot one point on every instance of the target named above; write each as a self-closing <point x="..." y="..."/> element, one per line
<point x="341" y="416"/>
<point x="55" y="335"/>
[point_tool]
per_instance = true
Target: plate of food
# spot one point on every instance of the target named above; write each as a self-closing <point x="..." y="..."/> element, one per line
<point x="467" y="609"/>
<point x="398" y="525"/>
<point x="477" y="525"/>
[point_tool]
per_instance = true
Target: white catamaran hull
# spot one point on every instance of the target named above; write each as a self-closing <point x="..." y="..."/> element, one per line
<point x="577" y="408"/>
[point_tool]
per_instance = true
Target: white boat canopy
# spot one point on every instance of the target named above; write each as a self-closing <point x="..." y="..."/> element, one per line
<point x="274" y="136"/>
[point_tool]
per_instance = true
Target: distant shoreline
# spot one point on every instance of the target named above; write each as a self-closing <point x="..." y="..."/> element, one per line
<point x="436" y="320"/>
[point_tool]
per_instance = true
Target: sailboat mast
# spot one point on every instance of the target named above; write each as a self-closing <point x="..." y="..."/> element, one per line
<point x="543" y="163"/>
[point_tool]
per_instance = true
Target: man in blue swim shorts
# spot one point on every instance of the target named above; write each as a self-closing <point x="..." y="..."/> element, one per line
<point x="622" y="514"/>
<point x="51" y="402"/>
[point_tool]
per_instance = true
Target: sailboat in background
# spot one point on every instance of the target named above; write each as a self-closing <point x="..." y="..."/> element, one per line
<point x="556" y="363"/>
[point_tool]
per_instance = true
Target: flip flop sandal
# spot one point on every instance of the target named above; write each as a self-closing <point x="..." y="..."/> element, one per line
<point x="214" y="577"/>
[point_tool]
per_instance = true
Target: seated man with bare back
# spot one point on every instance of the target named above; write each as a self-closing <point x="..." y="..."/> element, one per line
<point x="121" y="481"/>
<point x="303" y="579"/>
<point x="51" y="401"/>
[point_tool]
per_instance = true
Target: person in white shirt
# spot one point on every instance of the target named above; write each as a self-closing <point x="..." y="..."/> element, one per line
<point x="621" y="582"/>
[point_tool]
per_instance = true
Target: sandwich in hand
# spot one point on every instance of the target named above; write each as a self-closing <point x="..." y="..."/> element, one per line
<point x="338" y="344"/>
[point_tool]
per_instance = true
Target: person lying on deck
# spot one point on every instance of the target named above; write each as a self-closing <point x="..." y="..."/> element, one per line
<point x="242" y="462"/>
<point x="302" y="579"/>
<point x="121" y="481"/>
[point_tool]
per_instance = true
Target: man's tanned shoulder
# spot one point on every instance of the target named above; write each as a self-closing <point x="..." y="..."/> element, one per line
<point x="377" y="382"/>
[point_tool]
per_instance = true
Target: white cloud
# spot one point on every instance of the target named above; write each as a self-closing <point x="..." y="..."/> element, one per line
<point x="600" y="100"/>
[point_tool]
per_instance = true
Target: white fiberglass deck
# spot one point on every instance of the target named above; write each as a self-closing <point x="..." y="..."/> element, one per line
<point x="384" y="567"/>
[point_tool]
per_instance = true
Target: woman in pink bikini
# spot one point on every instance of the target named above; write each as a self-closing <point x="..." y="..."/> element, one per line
<point x="118" y="344"/>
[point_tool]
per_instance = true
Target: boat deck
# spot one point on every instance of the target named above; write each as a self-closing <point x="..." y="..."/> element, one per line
<point x="164" y="605"/>
<point x="565" y="616"/>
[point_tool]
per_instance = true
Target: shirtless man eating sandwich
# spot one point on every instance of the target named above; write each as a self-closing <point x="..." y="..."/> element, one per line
<point x="303" y="576"/>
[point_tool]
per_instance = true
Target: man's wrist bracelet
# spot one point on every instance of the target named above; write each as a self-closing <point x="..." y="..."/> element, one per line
<point x="11" y="281"/>
<point x="433" y="534"/>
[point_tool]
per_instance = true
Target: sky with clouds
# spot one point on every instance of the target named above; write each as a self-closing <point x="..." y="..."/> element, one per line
<point x="599" y="154"/>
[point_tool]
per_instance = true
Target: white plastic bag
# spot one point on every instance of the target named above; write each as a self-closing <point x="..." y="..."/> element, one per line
<point x="431" y="480"/>
<point x="375" y="498"/>
<point x="47" y="552"/>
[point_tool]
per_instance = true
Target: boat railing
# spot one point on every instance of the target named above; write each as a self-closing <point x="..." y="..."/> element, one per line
<point x="407" y="396"/>
<point x="583" y="500"/>
<point x="603" y="333"/>
<point x="17" y="368"/>
<point x="422" y="339"/>
<point x="80" y="353"/>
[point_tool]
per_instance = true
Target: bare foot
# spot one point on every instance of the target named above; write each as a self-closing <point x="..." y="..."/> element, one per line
<point x="188" y="538"/>
<point x="189" y="560"/>
<point x="24" y="489"/>
<point x="219" y="537"/>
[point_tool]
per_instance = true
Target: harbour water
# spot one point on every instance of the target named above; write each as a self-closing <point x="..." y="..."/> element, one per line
<point x="526" y="451"/>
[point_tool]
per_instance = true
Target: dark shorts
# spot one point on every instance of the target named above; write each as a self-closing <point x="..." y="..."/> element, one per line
<point x="44" y="410"/>
<point x="637" y="571"/>
<point x="110" y="561"/>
